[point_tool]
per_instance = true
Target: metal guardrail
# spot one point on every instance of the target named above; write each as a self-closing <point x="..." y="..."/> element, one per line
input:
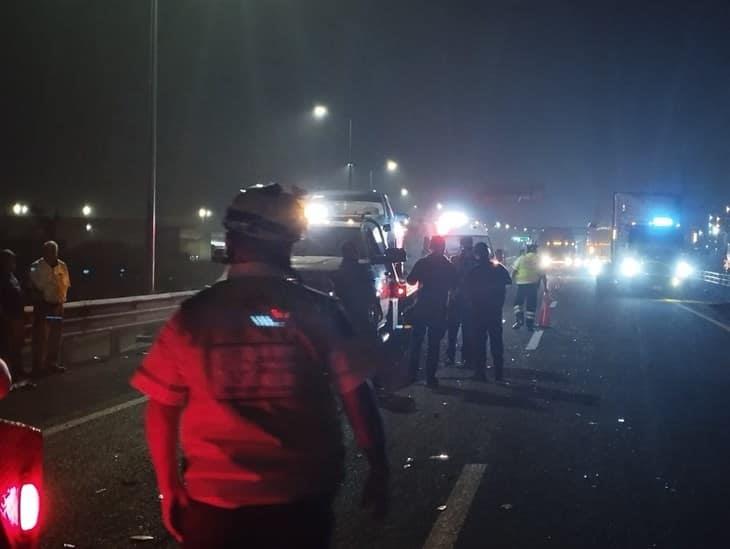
<point x="113" y="316"/>
<point x="719" y="279"/>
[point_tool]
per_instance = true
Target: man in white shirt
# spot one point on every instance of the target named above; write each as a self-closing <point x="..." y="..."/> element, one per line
<point x="49" y="282"/>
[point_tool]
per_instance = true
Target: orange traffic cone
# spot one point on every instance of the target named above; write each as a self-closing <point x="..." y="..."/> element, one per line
<point x="544" y="320"/>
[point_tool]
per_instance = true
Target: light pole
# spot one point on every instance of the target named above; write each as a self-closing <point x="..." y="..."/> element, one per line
<point x="152" y="190"/>
<point x="320" y="112"/>
<point x="349" y="154"/>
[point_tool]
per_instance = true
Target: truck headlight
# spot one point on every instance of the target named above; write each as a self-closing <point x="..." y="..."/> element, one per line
<point x="683" y="270"/>
<point x="630" y="267"/>
<point x="545" y="261"/>
<point x="595" y="267"/>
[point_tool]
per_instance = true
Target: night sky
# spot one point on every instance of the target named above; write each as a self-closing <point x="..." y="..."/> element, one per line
<point x="573" y="99"/>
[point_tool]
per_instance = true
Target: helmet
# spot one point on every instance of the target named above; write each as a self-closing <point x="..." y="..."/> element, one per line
<point x="267" y="213"/>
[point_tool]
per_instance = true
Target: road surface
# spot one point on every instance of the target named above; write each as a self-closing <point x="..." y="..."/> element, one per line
<point x="613" y="431"/>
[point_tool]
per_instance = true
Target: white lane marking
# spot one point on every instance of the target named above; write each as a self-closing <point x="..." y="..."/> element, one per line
<point x="446" y="529"/>
<point x="534" y="340"/>
<point x="50" y="431"/>
<point x="707" y="318"/>
<point x="553" y="304"/>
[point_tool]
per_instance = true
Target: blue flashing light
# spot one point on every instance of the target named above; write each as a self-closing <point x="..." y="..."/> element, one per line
<point x="662" y="221"/>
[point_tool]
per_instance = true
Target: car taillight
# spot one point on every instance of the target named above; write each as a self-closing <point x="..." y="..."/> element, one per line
<point x="393" y="290"/>
<point x="29" y="507"/>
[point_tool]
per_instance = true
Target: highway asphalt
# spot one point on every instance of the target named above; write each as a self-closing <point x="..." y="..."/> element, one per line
<point x="613" y="432"/>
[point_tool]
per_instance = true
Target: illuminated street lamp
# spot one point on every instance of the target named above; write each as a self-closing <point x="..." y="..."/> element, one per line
<point x="391" y="166"/>
<point x="439" y="206"/>
<point x="204" y="213"/>
<point x="20" y="209"/>
<point x="404" y="192"/>
<point x="497" y="225"/>
<point x="320" y="112"/>
<point x="88" y="227"/>
<point x="86" y="210"/>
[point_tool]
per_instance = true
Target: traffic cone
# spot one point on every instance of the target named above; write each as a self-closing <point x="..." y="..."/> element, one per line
<point x="544" y="320"/>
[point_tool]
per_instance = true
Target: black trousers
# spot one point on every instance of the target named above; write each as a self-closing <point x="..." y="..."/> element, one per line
<point x="307" y="524"/>
<point x="488" y="326"/>
<point x="458" y="318"/>
<point x="435" y="327"/>
<point x="527" y="296"/>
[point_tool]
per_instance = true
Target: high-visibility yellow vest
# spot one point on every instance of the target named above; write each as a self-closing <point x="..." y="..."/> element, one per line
<point x="527" y="269"/>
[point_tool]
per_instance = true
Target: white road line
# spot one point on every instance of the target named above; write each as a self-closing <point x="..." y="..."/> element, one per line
<point x="707" y="318"/>
<point x="534" y="340"/>
<point x="446" y="529"/>
<point x="50" y="431"/>
<point x="553" y="304"/>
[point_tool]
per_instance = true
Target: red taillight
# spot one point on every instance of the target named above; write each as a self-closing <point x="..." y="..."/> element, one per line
<point x="30" y="507"/>
<point x="393" y="290"/>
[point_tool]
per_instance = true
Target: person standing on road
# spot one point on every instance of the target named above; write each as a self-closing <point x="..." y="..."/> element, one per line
<point x="12" y="320"/>
<point x="355" y="287"/>
<point x="49" y="282"/>
<point x="246" y="368"/>
<point x="485" y="288"/>
<point x="527" y="274"/>
<point x="464" y="262"/>
<point x="436" y="276"/>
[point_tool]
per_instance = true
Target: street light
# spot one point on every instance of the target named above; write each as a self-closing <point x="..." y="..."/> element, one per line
<point x="391" y="166"/>
<point x="86" y="210"/>
<point x="439" y="206"/>
<point x="404" y="192"/>
<point x="20" y="209"/>
<point x="497" y="225"/>
<point x="319" y="112"/>
<point x="204" y="213"/>
<point x="88" y="227"/>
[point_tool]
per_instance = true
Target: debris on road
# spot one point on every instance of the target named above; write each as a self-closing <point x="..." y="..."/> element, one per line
<point x="141" y="538"/>
<point x="441" y="508"/>
<point x="100" y="491"/>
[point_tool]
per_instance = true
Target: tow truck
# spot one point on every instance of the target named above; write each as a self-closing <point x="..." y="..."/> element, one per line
<point x="647" y="245"/>
<point x="319" y="254"/>
<point x="21" y="480"/>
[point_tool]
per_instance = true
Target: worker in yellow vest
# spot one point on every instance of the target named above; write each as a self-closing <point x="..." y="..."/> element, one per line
<point x="527" y="274"/>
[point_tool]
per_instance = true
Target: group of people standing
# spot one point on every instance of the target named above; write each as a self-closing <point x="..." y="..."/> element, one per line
<point x="47" y="289"/>
<point x="467" y="293"/>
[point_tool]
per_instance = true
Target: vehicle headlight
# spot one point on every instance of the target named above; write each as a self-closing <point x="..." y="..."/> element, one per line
<point x="683" y="270"/>
<point x="545" y="261"/>
<point x="595" y="267"/>
<point x="569" y="261"/>
<point x="630" y="267"/>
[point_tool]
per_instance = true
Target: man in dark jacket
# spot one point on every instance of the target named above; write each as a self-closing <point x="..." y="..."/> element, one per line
<point x="436" y="277"/>
<point x="485" y="288"/>
<point x="12" y="326"/>
<point x="464" y="262"/>
<point x="355" y="287"/>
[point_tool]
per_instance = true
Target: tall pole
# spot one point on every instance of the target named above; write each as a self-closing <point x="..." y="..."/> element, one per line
<point x="371" y="179"/>
<point x="349" y="154"/>
<point x="152" y="191"/>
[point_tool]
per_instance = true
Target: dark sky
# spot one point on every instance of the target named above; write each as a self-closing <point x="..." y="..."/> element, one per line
<point x="576" y="98"/>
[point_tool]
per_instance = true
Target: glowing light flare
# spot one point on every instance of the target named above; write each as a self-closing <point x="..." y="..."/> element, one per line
<point x="316" y="213"/>
<point x="30" y="507"/>
<point x="86" y="210"/>
<point x="391" y="166"/>
<point x="449" y="221"/>
<point x="320" y="112"/>
<point x="662" y="221"/>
